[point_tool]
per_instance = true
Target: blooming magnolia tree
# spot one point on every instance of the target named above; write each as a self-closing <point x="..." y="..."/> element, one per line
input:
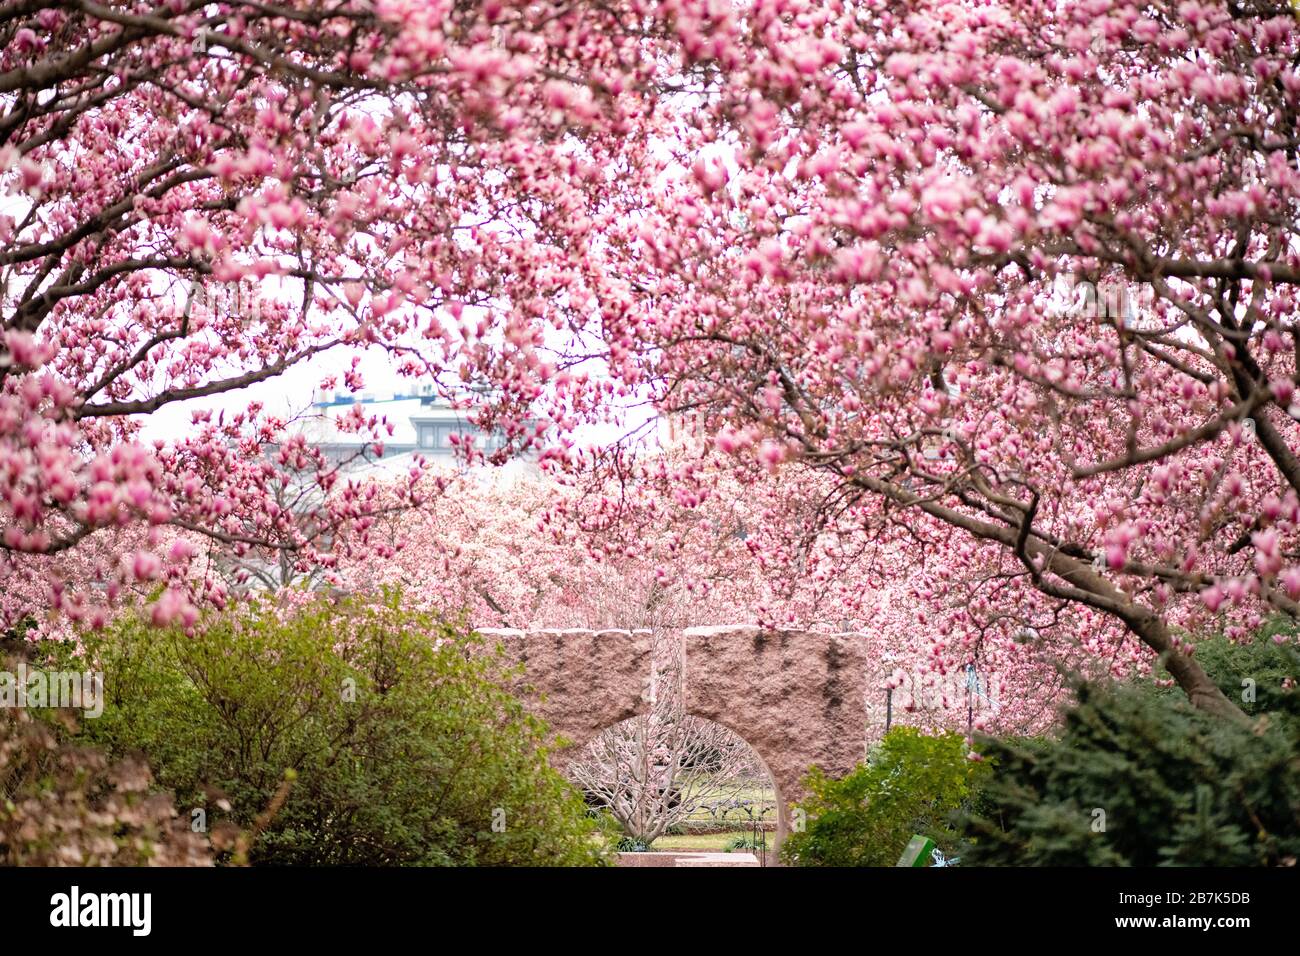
<point x="1000" y="294"/>
<point x="551" y="548"/>
<point x="554" y="549"/>
<point x="199" y="196"/>
<point x="858" y="273"/>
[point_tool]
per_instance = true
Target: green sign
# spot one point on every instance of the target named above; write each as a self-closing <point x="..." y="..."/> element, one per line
<point x="917" y="852"/>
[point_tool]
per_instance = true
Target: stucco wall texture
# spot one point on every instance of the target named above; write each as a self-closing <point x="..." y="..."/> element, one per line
<point x="798" y="698"/>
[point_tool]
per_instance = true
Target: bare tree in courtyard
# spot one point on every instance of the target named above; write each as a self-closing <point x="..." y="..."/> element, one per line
<point x="664" y="767"/>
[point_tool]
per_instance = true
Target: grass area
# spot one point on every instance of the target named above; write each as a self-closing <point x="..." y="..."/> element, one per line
<point x="708" y="842"/>
<point x="760" y="793"/>
<point x="756" y="799"/>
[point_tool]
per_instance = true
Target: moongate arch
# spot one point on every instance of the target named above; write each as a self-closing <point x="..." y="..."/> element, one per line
<point x="798" y="698"/>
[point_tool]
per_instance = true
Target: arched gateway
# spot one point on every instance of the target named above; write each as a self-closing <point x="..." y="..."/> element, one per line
<point x="799" y="698"/>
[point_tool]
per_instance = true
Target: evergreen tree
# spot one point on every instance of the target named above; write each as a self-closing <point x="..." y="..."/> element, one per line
<point x="1140" y="778"/>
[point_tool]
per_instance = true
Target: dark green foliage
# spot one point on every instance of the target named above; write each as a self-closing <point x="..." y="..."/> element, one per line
<point x="407" y="746"/>
<point x="912" y="783"/>
<point x="1176" y="786"/>
<point x="1250" y="675"/>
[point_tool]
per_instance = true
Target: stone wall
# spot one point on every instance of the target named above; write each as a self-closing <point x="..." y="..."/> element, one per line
<point x="579" y="681"/>
<point x="798" y="698"/>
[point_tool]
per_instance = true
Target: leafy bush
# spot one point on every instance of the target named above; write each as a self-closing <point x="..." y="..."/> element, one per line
<point x="911" y="783"/>
<point x="67" y="805"/>
<point x="745" y="843"/>
<point x="407" y="746"/>
<point x="1138" y="778"/>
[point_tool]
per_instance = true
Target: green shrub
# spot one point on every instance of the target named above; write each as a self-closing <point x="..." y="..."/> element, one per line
<point x="745" y="843"/>
<point x="911" y="783"/>
<point x="1140" y="778"/>
<point x="407" y="745"/>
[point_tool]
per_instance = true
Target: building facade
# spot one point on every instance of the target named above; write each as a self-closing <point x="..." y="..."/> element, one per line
<point x="423" y="424"/>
